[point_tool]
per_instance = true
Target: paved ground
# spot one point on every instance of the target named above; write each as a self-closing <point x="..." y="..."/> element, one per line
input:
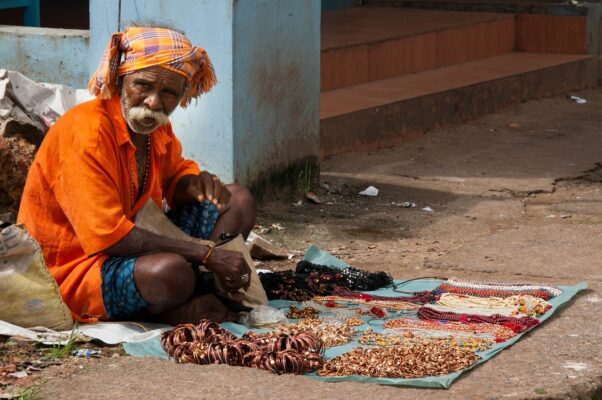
<point x="517" y="195"/>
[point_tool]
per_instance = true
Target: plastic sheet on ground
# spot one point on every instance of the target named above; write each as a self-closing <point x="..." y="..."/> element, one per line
<point x="107" y="332"/>
<point x="38" y="104"/>
<point x="148" y="345"/>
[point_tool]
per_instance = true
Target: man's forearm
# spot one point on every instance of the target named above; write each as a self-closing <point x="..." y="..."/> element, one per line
<point x="180" y="194"/>
<point x="140" y="241"/>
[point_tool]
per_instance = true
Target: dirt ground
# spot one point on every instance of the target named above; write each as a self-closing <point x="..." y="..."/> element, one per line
<point x="515" y="195"/>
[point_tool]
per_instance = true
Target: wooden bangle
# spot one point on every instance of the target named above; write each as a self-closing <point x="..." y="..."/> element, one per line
<point x="208" y="254"/>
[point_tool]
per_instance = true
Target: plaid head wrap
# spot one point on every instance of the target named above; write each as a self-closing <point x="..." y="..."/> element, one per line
<point x="148" y="47"/>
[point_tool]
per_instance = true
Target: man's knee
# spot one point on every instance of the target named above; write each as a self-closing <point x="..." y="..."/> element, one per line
<point x="241" y="197"/>
<point x="164" y="278"/>
<point x="243" y="203"/>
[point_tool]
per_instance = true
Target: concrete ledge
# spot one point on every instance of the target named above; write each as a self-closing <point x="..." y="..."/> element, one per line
<point x="487" y="36"/>
<point x="551" y="34"/>
<point x="46" y="54"/>
<point x="393" y="123"/>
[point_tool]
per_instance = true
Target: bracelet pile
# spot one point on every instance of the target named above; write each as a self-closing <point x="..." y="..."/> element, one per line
<point x="424" y="359"/>
<point x="207" y="343"/>
<point x="306" y="312"/>
<point x="330" y="334"/>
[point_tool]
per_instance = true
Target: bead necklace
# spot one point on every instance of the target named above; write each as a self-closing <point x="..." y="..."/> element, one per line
<point x="517" y="304"/>
<point x="446" y="288"/>
<point x="500" y="332"/>
<point x="437" y="334"/>
<point x="505" y="285"/>
<point x="392" y="304"/>
<point x="507" y="312"/>
<point x="424" y="359"/>
<point x="517" y="324"/>
<point x="418" y="298"/>
<point x="146" y="173"/>
<point x="471" y="343"/>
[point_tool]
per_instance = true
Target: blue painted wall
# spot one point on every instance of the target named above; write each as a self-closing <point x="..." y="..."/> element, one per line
<point x="276" y="84"/>
<point x="45" y="54"/>
<point x="264" y="112"/>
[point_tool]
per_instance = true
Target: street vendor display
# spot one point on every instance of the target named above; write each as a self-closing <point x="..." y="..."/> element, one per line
<point x="426" y="337"/>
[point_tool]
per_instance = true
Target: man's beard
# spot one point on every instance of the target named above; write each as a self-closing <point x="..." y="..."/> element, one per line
<point x="141" y="119"/>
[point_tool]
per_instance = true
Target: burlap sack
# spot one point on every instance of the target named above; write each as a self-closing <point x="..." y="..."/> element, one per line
<point x="152" y="219"/>
<point x="29" y="295"/>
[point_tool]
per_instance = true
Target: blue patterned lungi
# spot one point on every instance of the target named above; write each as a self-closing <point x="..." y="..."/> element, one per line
<point x="121" y="297"/>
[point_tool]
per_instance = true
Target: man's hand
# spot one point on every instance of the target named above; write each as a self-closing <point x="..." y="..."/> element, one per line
<point x="230" y="267"/>
<point x="207" y="186"/>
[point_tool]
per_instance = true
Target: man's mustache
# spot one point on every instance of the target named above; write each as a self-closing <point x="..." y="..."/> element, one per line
<point x="141" y="112"/>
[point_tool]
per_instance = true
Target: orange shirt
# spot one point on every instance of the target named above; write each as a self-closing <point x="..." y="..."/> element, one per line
<point x="77" y="199"/>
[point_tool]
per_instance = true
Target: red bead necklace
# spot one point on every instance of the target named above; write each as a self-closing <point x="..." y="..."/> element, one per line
<point x="516" y="324"/>
<point x="146" y="173"/>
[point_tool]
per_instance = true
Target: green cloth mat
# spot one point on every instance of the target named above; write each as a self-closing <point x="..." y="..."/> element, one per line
<point x="152" y="347"/>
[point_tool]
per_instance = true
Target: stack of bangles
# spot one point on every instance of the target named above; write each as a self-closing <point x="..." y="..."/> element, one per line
<point x="208" y="343"/>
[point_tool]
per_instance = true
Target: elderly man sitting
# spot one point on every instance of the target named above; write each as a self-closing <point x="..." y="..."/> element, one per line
<point x="103" y="160"/>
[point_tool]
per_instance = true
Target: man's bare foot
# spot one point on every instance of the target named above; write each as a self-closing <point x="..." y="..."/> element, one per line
<point x="201" y="307"/>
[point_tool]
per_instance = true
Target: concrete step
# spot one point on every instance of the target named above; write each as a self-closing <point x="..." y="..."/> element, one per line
<point x="361" y="44"/>
<point x="388" y="112"/>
